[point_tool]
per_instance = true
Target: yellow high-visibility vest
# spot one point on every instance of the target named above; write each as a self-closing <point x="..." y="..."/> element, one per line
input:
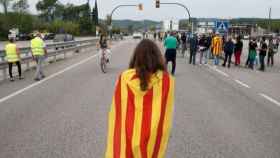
<point x="37" y="46"/>
<point x="11" y="52"/>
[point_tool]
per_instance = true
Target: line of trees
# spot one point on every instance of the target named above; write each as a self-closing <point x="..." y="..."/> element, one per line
<point x="263" y="23"/>
<point x="275" y="25"/>
<point x="53" y="17"/>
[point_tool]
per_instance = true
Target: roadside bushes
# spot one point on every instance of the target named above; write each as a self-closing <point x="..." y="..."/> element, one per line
<point x="27" y="23"/>
<point x="24" y="22"/>
<point x="59" y="26"/>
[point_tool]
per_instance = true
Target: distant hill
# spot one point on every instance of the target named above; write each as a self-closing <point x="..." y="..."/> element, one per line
<point x="252" y="20"/>
<point x="135" y="24"/>
<point x="147" y="24"/>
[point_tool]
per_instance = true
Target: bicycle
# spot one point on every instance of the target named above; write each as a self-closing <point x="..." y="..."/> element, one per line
<point x="103" y="61"/>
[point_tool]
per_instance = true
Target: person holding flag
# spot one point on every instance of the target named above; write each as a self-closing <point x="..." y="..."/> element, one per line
<point x="217" y="45"/>
<point x="141" y="113"/>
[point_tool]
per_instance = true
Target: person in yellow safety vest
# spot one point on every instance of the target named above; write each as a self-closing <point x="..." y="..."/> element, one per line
<point x="39" y="53"/>
<point x="13" y="56"/>
<point x="217" y="45"/>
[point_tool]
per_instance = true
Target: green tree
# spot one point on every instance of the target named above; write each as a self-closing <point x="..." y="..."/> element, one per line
<point x="59" y="11"/>
<point x="47" y="9"/>
<point x="25" y="22"/>
<point x="86" y="24"/>
<point x="71" y="12"/>
<point x="80" y="15"/>
<point x="5" y="4"/>
<point x="95" y="14"/>
<point x="68" y="27"/>
<point x="116" y="30"/>
<point x="184" y="24"/>
<point x="21" y="6"/>
<point x="152" y="28"/>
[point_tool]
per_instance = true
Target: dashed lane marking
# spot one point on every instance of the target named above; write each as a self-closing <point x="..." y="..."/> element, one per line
<point x="242" y="84"/>
<point x="245" y="85"/>
<point x="50" y="77"/>
<point x="217" y="70"/>
<point x="270" y="99"/>
<point x="46" y="79"/>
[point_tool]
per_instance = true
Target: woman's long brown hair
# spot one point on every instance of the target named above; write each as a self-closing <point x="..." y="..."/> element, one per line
<point x="147" y="59"/>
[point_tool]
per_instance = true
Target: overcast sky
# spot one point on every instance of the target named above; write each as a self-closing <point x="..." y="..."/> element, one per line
<point x="198" y="8"/>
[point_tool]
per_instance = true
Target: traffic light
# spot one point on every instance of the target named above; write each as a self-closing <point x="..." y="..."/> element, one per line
<point x="157" y="3"/>
<point x="140" y="6"/>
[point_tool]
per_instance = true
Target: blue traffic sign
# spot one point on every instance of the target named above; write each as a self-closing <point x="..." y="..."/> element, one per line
<point x="222" y="25"/>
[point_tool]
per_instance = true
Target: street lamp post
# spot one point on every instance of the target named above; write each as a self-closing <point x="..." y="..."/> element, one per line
<point x="185" y="7"/>
<point x="140" y="6"/>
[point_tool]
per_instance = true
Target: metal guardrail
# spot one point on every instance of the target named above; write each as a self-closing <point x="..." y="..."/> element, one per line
<point x="24" y="50"/>
<point x="54" y="49"/>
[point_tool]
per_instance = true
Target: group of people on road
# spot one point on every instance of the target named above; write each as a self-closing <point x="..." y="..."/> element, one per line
<point x="142" y="106"/>
<point x="211" y="46"/>
<point x="38" y="52"/>
<point x="140" y="118"/>
<point x="266" y="49"/>
<point x="216" y="46"/>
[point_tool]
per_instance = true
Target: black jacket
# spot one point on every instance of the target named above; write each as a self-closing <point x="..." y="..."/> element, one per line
<point x="229" y="47"/>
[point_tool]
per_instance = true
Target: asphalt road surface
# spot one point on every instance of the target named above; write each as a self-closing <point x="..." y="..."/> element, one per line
<point x="219" y="112"/>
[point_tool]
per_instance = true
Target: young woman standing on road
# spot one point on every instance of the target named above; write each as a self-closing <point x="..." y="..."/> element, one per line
<point x="141" y="112"/>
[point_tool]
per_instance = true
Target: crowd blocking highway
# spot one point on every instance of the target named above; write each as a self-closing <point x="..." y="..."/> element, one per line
<point x="203" y="47"/>
<point x="255" y="53"/>
<point x="65" y="115"/>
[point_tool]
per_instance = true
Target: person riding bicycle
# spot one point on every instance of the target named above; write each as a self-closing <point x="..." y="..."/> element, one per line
<point x="104" y="46"/>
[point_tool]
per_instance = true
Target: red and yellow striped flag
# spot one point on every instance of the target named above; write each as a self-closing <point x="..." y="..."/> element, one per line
<point x="140" y="121"/>
<point x="217" y="45"/>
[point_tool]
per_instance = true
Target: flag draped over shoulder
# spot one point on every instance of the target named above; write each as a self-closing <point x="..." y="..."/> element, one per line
<point x="217" y="45"/>
<point x="140" y="121"/>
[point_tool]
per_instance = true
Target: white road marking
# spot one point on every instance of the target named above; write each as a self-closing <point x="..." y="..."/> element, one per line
<point x="242" y="84"/>
<point x="219" y="71"/>
<point x="270" y="99"/>
<point x="245" y="85"/>
<point x="46" y="79"/>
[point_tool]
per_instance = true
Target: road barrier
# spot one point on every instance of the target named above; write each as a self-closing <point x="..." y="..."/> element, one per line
<point x="54" y="49"/>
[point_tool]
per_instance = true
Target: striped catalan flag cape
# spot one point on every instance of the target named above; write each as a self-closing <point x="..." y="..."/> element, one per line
<point x="140" y="121"/>
<point x="217" y="45"/>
